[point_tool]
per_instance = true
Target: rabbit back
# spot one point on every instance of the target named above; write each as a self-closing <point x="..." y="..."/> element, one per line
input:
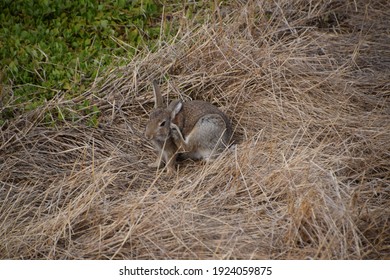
<point x="205" y="129"/>
<point x="194" y="110"/>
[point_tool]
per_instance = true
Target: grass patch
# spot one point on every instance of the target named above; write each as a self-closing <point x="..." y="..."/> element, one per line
<point x="308" y="178"/>
<point x="52" y="47"/>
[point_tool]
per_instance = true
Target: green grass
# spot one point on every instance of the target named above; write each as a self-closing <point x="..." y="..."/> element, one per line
<point x="47" y="47"/>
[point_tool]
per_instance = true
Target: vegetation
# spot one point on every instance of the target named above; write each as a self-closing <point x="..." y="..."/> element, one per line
<point x="49" y="47"/>
<point x="306" y="85"/>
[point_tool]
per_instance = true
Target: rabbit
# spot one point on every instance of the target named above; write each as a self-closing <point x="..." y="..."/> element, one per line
<point x="196" y="129"/>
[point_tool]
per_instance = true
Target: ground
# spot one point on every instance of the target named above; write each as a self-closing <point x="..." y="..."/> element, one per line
<point x="307" y="177"/>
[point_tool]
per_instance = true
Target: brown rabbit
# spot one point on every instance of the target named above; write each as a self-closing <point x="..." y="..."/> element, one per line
<point x="197" y="129"/>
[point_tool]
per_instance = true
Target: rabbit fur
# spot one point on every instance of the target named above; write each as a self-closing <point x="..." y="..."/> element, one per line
<point x="197" y="129"/>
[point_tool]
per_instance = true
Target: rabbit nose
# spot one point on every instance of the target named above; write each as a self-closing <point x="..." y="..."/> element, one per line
<point x="148" y="135"/>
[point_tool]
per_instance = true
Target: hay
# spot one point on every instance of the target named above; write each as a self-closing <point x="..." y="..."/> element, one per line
<point x="307" y="88"/>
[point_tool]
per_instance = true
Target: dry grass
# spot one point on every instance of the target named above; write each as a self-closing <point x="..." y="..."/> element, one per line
<point x="307" y="87"/>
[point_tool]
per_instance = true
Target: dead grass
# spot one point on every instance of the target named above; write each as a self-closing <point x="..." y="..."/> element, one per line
<point x="307" y="87"/>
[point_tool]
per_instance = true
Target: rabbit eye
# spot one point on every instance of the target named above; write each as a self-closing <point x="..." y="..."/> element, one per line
<point x="162" y="123"/>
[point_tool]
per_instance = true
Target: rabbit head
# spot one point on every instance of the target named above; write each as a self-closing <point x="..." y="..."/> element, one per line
<point x="158" y="127"/>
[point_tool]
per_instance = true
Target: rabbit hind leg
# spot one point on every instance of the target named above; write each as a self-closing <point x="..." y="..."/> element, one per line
<point x="205" y="139"/>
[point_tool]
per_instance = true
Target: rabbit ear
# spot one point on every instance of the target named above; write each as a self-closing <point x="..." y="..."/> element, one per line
<point x="175" y="108"/>
<point x="158" y="100"/>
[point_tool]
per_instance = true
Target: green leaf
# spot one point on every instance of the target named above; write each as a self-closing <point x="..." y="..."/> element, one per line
<point x="104" y="23"/>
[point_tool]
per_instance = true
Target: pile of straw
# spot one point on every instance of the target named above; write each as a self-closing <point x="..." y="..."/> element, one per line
<point x="307" y="88"/>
